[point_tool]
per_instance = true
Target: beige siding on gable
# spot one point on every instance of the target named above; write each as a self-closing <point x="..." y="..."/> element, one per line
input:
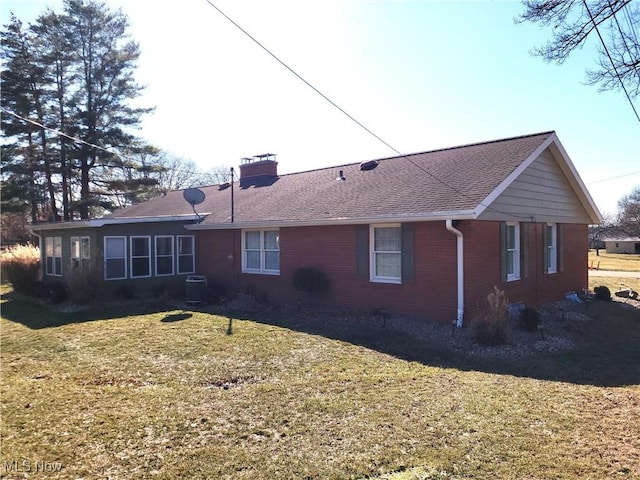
<point x="542" y="191"/>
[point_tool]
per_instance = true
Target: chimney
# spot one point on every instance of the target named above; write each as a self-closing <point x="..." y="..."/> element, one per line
<point x="259" y="170"/>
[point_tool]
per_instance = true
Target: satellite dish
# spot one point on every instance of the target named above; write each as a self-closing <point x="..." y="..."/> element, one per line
<point x="193" y="196"/>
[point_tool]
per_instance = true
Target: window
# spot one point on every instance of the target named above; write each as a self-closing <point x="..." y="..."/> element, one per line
<point x="512" y="251"/>
<point x="53" y="256"/>
<point x="261" y="251"/>
<point x="140" y="249"/>
<point x="164" y="255"/>
<point x="186" y="258"/>
<point x="386" y="253"/>
<point x="551" y="248"/>
<point x="115" y="258"/>
<point x="80" y="252"/>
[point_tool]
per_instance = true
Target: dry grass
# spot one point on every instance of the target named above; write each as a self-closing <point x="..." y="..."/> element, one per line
<point x="618" y="262"/>
<point x="614" y="283"/>
<point x="185" y="394"/>
<point x="20" y="266"/>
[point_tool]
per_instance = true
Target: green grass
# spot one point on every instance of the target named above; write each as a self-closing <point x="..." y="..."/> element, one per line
<point x="619" y="262"/>
<point x="182" y="394"/>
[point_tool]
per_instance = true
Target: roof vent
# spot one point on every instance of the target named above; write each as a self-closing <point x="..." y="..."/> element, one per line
<point x="341" y="176"/>
<point x="370" y="165"/>
<point x="224" y="186"/>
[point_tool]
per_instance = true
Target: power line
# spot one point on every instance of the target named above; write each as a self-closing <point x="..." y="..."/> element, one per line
<point x="615" y="178"/>
<point x="632" y="27"/>
<point x="300" y="77"/>
<point x="351" y="117"/>
<point x="70" y="137"/>
<point x="622" y="34"/>
<point x="606" y="50"/>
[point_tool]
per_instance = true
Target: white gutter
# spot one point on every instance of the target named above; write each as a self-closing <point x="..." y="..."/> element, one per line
<point x="460" y="269"/>
<point x="421" y="217"/>
<point x="100" y="222"/>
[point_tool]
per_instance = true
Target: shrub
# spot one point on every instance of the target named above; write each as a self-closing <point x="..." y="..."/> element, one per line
<point x="529" y="319"/>
<point x="56" y="292"/>
<point x="21" y="267"/>
<point x="84" y="284"/>
<point x="491" y="324"/>
<point x="311" y="280"/>
<point x="602" y="293"/>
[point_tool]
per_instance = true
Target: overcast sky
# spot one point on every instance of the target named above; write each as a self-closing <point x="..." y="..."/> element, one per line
<point x="419" y="74"/>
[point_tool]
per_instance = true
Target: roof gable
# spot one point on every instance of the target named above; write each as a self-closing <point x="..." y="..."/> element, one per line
<point x="545" y="187"/>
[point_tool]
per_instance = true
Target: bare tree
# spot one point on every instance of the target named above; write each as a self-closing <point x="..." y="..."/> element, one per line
<point x="629" y="216"/>
<point x="598" y="233"/>
<point x="613" y="24"/>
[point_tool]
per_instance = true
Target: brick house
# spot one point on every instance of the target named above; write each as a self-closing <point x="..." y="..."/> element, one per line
<point x="428" y="234"/>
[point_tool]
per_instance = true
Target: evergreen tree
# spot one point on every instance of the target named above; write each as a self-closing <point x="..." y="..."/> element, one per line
<point x="104" y="86"/>
<point x="70" y="75"/>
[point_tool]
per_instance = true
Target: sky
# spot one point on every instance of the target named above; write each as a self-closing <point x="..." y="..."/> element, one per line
<point x="421" y="75"/>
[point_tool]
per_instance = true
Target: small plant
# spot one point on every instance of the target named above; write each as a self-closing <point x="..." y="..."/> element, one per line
<point x="491" y="325"/>
<point x="602" y="293"/>
<point x="21" y="267"/>
<point x="529" y="319"/>
<point x="311" y="280"/>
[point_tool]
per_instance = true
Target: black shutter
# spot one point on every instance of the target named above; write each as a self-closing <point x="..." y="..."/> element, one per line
<point x="362" y="251"/>
<point x="560" y="246"/>
<point x="524" y="250"/>
<point x="408" y="242"/>
<point x="545" y="248"/>
<point x="503" y="251"/>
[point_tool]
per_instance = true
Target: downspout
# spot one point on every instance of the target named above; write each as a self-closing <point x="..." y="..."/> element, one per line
<point x="41" y="248"/>
<point x="460" y="269"/>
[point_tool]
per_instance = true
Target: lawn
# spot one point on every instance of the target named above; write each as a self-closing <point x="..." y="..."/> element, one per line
<point x="614" y="261"/>
<point x="614" y="283"/>
<point x="271" y="395"/>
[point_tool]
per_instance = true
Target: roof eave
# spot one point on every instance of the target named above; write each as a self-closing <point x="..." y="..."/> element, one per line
<point x="100" y="222"/>
<point x="403" y="218"/>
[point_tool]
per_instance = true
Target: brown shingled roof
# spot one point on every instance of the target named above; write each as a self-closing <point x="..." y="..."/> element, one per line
<point x="454" y="179"/>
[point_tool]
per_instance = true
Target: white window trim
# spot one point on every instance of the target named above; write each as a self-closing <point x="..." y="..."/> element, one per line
<point x="131" y="256"/>
<point x="53" y="257"/>
<point x="512" y="277"/>
<point x="552" y="249"/>
<point x="262" y="270"/>
<point x="125" y="257"/>
<point x="192" y="255"/>
<point x="372" y="255"/>
<point x="80" y="257"/>
<point x="156" y="256"/>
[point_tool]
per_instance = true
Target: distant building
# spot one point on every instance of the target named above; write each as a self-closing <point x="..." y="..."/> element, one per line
<point x="622" y="245"/>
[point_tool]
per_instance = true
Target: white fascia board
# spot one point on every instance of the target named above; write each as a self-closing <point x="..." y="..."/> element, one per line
<point x="569" y="169"/>
<point x="100" y="222"/>
<point x="36" y="227"/>
<point x="160" y="218"/>
<point x="515" y="174"/>
<point x="432" y="217"/>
